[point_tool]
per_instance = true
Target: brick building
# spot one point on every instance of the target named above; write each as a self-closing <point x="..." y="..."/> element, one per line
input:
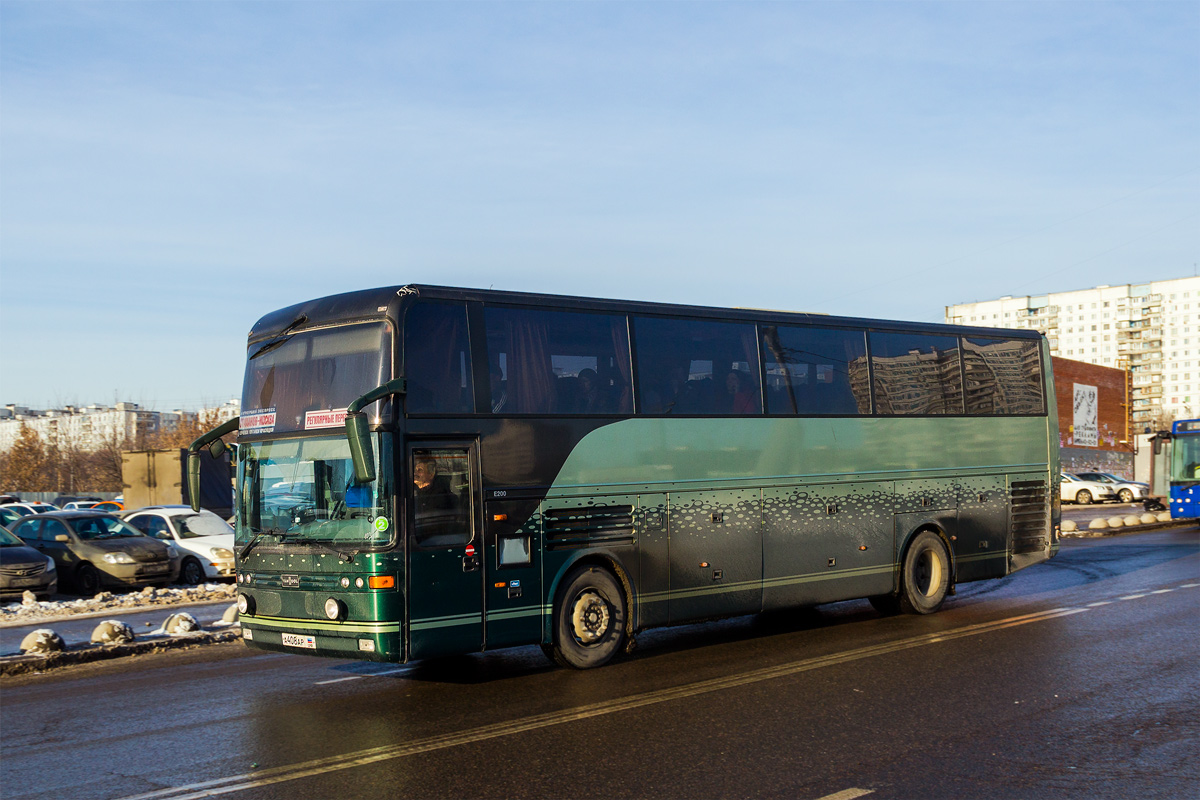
<point x="1093" y="428"/>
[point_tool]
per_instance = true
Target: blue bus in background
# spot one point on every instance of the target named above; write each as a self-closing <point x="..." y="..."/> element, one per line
<point x="1175" y="471"/>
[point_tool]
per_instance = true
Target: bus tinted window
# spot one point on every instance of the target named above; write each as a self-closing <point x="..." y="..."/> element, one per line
<point x="557" y="362"/>
<point x="697" y="367"/>
<point x="437" y="359"/>
<point x="916" y="374"/>
<point x="1003" y="376"/>
<point x="814" y="371"/>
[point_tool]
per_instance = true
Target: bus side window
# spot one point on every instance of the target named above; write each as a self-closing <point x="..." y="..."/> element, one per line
<point x="441" y="497"/>
<point x="437" y="359"/>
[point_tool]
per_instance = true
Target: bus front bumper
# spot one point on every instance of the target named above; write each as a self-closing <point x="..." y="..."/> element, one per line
<point x="370" y="641"/>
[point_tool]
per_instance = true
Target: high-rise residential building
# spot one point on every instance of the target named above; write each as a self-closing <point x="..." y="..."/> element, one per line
<point x="1150" y="329"/>
<point x="90" y="427"/>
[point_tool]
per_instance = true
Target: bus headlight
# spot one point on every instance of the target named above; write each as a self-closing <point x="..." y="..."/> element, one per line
<point x="334" y="608"/>
<point x="245" y="604"/>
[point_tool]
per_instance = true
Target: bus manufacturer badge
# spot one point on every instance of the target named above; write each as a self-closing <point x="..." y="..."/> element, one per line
<point x="381" y="524"/>
<point x="291" y="581"/>
<point x="333" y="418"/>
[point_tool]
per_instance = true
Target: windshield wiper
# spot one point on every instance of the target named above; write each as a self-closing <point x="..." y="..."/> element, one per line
<point x="246" y="548"/>
<point x="279" y="338"/>
<point x="346" y="555"/>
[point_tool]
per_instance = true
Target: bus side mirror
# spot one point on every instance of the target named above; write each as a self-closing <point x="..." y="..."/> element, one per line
<point x="358" y="434"/>
<point x="1157" y="445"/>
<point x="211" y="441"/>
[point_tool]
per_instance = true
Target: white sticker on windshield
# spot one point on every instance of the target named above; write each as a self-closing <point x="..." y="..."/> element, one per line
<point x="333" y="418"/>
<point x="261" y="420"/>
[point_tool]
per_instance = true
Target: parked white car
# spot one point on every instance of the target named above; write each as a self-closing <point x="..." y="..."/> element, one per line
<point x="204" y="539"/>
<point x="1127" y="491"/>
<point x="1073" y="489"/>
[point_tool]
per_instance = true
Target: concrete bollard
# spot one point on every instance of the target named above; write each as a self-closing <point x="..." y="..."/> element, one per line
<point x="1097" y="524"/>
<point x="1132" y="519"/>
<point x="1148" y="518"/>
<point x="181" y="622"/>
<point x="1116" y="522"/>
<point x="42" y="642"/>
<point x="1164" y="516"/>
<point x="1069" y="526"/>
<point x="231" y="614"/>
<point x="112" y="631"/>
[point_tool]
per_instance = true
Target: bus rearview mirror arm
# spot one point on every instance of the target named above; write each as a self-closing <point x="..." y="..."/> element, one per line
<point x="212" y="440"/>
<point x="358" y="429"/>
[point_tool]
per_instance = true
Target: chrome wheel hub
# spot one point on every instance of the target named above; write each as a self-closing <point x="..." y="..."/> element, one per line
<point x="590" y="617"/>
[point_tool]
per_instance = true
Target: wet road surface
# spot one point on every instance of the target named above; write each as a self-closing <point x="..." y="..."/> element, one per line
<point x="1075" y="678"/>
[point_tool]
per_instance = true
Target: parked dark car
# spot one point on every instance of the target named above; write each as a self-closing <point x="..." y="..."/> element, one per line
<point x="24" y="569"/>
<point x="93" y="550"/>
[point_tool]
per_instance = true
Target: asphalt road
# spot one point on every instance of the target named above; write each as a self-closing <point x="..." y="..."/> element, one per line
<point x="1073" y="679"/>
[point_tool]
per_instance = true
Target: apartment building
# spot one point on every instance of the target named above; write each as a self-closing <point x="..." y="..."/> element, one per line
<point x="1150" y="329"/>
<point x="87" y="428"/>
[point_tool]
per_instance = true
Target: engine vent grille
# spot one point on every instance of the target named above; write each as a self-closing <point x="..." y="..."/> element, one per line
<point x="567" y="528"/>
<point x="1030" y="517"/>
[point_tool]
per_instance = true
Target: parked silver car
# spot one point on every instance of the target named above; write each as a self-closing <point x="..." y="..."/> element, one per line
<point x="1073" y="489"/>
<point x="204" y="539"/>
<point x="93" y="550"/>
<point x="1127" y="491"/>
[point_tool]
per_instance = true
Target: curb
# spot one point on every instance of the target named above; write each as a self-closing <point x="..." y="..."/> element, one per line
<point x="88" y="653"/>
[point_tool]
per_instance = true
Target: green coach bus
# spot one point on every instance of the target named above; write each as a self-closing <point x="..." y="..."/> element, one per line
<point x="425" y="471"/>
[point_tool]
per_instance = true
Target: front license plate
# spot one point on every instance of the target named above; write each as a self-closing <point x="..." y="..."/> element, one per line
<point x="26" y="581"/>
<point x="157" y="568"/>
<point x="293" y="640"/>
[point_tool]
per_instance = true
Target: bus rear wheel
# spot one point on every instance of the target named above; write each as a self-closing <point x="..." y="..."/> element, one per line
<point x="589" y="619"/>
<point x="925" y="576"/>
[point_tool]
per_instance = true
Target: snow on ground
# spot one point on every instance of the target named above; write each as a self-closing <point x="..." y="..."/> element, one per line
<point x="30" y="610"/>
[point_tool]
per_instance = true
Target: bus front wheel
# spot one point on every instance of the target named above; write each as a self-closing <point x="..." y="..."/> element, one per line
<point x="925" y="577"/>
<point x="589" y="619"/>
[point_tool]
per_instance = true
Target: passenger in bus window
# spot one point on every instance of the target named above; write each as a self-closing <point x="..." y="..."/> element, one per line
<point x="591" y="398"/>
<point x="739" y="395"/>
<point x="432" y="490"/>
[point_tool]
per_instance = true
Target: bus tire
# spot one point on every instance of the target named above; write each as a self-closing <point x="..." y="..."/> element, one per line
<point x="1083" y="497"/>
<point x="589" y="619"/>
<point x="925" y="576"/>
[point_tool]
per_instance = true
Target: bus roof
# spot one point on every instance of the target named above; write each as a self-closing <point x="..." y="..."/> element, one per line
<point x="386" y="302"/>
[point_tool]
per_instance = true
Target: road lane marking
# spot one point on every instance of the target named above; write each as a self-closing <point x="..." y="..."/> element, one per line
<point x="847" y="794"/>
<point x="339" y="680"/>
<point x="1162" y="591"/>
<point x="1132" y="597"/>
<point x="1099" y="603"/>
<point x="1189" y="585"/>
<point x="267" y="777"/>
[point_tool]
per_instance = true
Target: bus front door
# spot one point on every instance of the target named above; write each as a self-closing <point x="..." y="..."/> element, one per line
<point x="444" y="579"/>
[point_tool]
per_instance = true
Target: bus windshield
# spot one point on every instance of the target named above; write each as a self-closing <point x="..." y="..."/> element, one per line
<point x="302" y="490"/>
<point x="306" y="380"/>
<point x="1185" y="457"/>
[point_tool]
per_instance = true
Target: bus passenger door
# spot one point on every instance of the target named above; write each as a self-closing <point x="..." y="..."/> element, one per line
<point x="445" y="575"/>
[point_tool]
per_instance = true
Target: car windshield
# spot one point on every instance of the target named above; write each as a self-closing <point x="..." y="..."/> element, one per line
<point x="206" y="523"/>
<point x="1099" y="477"/>
<point x="8" y="540"/>
<point x="303" y="489"/>
<point x="103" y="527"/>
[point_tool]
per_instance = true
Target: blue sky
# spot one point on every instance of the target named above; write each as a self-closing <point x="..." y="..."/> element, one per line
<point x="169" y="172"/>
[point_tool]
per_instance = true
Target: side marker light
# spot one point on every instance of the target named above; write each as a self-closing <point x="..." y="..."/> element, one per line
<point x="382" y="581"/>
